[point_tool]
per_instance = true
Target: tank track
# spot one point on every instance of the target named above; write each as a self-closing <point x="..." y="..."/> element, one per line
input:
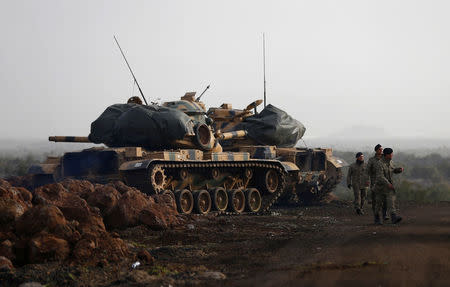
<point x="140" y="179"/>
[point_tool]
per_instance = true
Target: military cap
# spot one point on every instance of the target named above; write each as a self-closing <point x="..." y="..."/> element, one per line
<point x="358" y="154"/>
<point x="387" y="150"/>
<point x="377" y="147"/>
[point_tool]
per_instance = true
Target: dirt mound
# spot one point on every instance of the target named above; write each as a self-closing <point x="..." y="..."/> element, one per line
<point x="65" y="221"/>
<point x="127" y="210"/>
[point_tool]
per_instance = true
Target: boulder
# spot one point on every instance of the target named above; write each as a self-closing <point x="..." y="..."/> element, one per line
<point x="120" y="186"/>
<point x="104" y="197"/>
<point x="153" y="219"/>
<point x="10" y="210"/>
<point x="82" y="188"/>
<point x="7" y="250"/>
<point x="126" y="212"/>
<point x="72" y="206"/>
<point x="144" y="256"/>
<point x="46" y="247"/>
<point x="44" y="218"/>
<point x="6" y="264"/>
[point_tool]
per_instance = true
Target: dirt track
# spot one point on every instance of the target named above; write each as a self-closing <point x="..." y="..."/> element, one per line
<point x="309" y="246"/>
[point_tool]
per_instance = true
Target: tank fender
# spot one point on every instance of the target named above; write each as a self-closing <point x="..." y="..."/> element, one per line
<point x="43" y="168"/>
<point x="136" y="164"/>
<point x="289" y="166"/>
<point x="337" y="162"/>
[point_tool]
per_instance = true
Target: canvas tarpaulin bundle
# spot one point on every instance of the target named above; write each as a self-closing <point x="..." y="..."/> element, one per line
<point x="153" y="127"/>
<point x="273" y="126"/>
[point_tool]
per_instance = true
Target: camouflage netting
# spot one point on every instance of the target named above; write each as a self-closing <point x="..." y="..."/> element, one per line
<point x="273" y="126"/>
<point x="153" y="126"/>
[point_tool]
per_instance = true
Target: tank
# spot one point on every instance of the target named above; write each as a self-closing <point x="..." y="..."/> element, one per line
<point x="192" y="167"/>
<point x="311" y="173"/>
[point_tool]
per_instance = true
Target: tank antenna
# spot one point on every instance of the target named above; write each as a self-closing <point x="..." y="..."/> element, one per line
<point x="199" y="97"/>
<point x="264" y="67"/>
<point x="142" y="94"/>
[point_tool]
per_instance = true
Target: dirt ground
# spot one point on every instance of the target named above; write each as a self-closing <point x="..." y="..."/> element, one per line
<point x="325" y="245"/>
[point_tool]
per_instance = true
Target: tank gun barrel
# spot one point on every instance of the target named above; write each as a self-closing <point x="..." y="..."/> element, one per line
<point x="232" y="135"/>
<point x="69" y="139"/>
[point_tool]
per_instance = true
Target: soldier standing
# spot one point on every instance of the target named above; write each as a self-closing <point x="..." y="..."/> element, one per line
<point x="371" y="164"/>
<point x="384" y="188"/>
<point x="357" y="178"/>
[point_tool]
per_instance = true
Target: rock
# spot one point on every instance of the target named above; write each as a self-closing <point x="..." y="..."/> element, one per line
<point x="114" y="249"/>
<point x="207" y="275"/>
<point x="141" y="277"/>
<point x="145" y="256"/>
<point x="44" y="218"/>
<point x="82" y="188"/>
<point x="14" y="201"/>
<point x="7" y="249"/>
<point x="83" y="249"/>
<point x="105" y="197"/>
<point x="46" y="247"/>
<point x="72" y="206"/>
<point x="126" y="212"/>
<point x="153" y="219"/>
<point x="121" y="187"/>
<point x="5" y="264"/>
<point x="31" y="284"/>
<point x="25" y="181"/>
<point x="10" y="210"/>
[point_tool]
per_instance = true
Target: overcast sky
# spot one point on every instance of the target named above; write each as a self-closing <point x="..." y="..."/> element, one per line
<point x="332" y="65"/>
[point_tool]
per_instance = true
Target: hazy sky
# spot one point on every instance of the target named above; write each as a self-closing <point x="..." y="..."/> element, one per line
<point x="330" y="64"/>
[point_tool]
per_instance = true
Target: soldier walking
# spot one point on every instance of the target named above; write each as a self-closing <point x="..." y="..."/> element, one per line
<point x="384" y="188"/>
<point x="371" y="165"/>
<point x="358" y="180"/>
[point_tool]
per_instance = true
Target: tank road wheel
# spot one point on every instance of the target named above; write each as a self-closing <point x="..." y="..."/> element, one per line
<point x="271" y="180"/>
<point x="202" y="201"/>
<point x="169" y="193"/>
<point x="253" y="200"/>
<point x="158" y="179"/>
<point x="236" y="200"/>
<point x="219" y="199"/>
<point x="185" y="201"/>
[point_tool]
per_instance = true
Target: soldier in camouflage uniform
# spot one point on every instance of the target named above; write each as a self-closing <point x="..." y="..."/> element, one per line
<point x="357" y="178"/>
<point x="371" y="174"/>
<point x="384" y="188"/>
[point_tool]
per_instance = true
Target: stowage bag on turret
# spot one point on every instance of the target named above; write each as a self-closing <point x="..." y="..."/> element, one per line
<point x="152" y="127"/>
<point x="273" y="126"/>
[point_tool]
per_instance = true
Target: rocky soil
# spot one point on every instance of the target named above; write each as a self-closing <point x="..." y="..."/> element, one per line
<point x="79" y="234"/>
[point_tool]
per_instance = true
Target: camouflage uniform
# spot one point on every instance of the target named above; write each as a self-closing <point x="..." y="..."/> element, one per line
<point x="371" y="173"/>
<point x="384" y="170"/>
<point x="357" y="177"/>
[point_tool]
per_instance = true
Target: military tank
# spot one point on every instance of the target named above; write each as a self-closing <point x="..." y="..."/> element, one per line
<point x="311" y="173"/>
<point x="170" y="148"/>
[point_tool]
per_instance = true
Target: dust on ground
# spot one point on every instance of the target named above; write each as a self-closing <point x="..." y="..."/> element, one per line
<point x="324" y="245"/>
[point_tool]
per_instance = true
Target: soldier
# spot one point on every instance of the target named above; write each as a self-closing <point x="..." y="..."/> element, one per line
<point x="357" y="178"/>
<point x="371" y="174"/>
<point x="134" y="100"/>
<point x="384" y="188"/>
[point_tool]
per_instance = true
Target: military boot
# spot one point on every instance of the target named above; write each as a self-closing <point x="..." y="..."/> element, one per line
<point x="395" y="218"/>
<point x="378" y="220"/>
<point x="385" y="217"/>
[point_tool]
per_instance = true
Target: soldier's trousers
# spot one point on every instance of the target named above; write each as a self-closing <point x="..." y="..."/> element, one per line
<point x="360" y="197"/>
<point x="374" y="201"/>
<point x="387" y="196"/>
